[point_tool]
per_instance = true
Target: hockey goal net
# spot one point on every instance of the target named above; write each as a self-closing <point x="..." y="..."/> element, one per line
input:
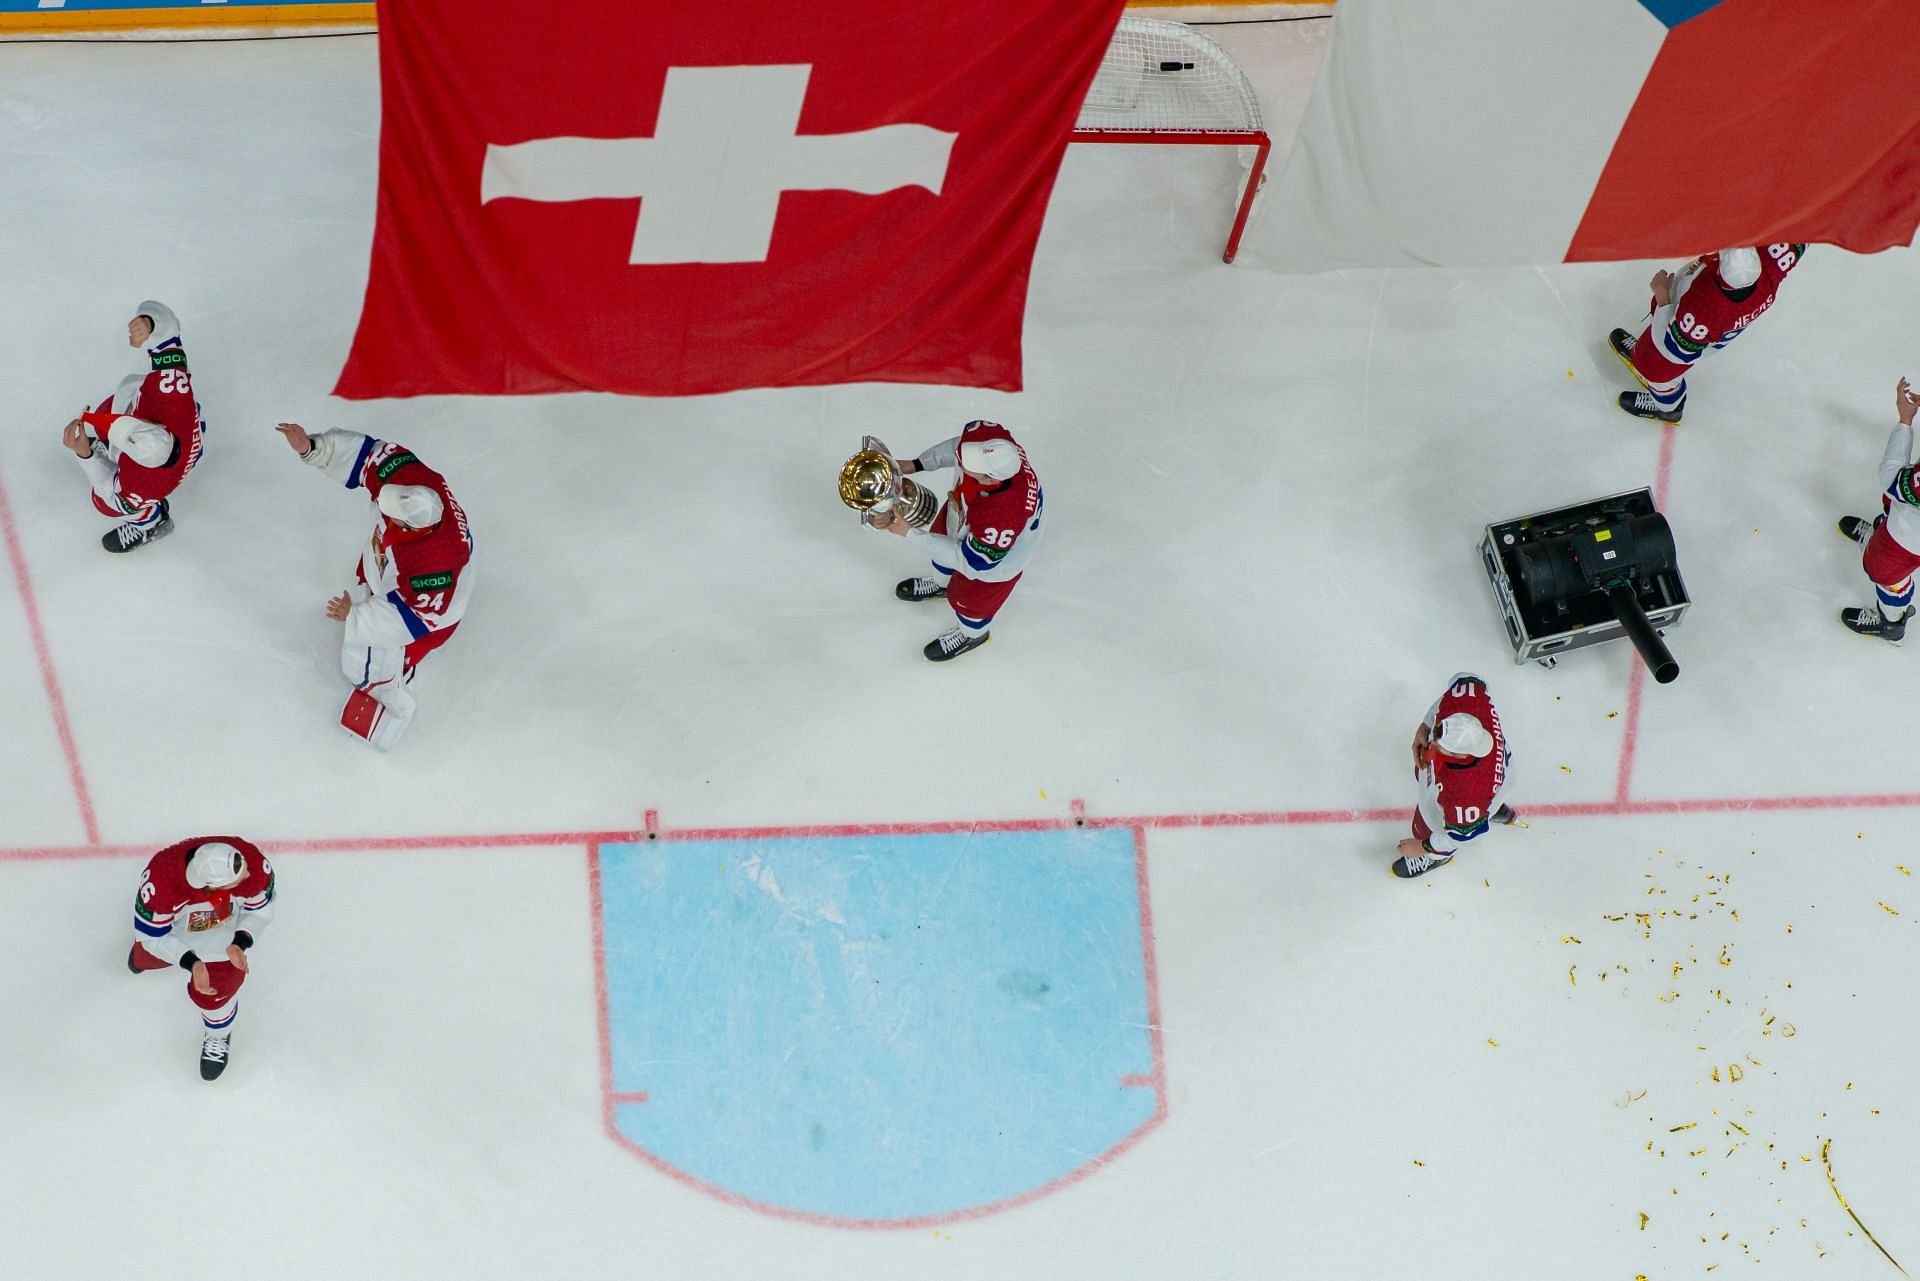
<point x="1164" y="82"/>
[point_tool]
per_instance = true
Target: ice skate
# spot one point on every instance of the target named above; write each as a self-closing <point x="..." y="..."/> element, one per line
<point x="213" y="1055"/>
<point x="1869" y="621"/>
<point x="1858" y="528"/>
<point x="1506" y="814"/>
<point x="1419" y="865"/>
<point x="1622" y="344"/>
<point x="951" y="644"/>
<point x="1641" y="404"/>
<point x="919" y="588"/>
<point x="125" y="537"/>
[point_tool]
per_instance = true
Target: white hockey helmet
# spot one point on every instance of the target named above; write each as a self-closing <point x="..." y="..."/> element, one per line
<point x="415" y="506"/>
<point x="216" y="865"/>
<point x="148" y="444"/>
<point x="1462" y="734"/>
<point x="1739" y="267"/>
<point x="992" y="458"/>
<point x="166" y="325"/>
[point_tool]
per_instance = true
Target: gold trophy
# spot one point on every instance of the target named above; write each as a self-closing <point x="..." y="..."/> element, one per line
<point x="872" y="484"/>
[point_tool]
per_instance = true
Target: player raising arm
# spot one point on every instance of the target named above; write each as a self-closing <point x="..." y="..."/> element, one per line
<point x="412" y="582"/>
<point x="1892" y="539"/>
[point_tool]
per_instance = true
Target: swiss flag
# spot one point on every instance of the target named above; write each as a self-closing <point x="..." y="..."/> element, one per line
<point x="634" y="196"/>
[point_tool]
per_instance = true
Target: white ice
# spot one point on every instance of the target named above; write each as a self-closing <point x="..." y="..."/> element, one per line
<point x="1264" y="495"/>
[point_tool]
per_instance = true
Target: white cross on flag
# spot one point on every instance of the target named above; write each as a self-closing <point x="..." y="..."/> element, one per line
<point x="630" y="196"/>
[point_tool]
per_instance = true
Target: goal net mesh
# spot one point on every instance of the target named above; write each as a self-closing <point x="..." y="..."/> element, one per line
<point x="1167" y="77"/>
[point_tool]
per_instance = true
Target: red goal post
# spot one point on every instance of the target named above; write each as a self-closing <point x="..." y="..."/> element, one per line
<point x="1164" y="82"/>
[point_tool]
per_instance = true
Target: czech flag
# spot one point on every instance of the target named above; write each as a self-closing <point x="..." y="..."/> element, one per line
<point x="1535" y="131"/>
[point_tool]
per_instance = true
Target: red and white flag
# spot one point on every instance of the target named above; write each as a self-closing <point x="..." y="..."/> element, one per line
<point x="634" y="196"/>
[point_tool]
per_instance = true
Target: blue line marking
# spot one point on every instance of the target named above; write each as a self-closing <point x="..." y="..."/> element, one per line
<point x="878" y="1027"/>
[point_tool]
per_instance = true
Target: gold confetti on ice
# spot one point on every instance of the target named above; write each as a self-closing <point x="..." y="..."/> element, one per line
<point x="1827" y="1161"/>
<point x="1568" y="938"/>
<point x="1571" y="981"/>
<point x="1677" y="1128"/>
<point x="1901" y="869"/>
<point x="1495" y="1044"/>
<point x="1889" y="911"/>
<point x="1643" y="1220"/>
<point x="1566" y="769"/>
<point x="1422" y="1164"/>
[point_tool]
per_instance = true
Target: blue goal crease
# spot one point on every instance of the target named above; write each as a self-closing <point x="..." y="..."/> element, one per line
<point x="875" y="1028"/>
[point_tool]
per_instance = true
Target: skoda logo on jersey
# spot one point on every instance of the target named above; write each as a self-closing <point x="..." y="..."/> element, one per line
<point x="879" y="1031"/>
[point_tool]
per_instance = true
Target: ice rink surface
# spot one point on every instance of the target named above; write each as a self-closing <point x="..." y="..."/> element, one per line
<point x="914" y="1021"/>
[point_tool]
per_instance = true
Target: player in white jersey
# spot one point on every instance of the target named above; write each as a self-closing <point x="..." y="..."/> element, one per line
<point x="1892" y="539"/>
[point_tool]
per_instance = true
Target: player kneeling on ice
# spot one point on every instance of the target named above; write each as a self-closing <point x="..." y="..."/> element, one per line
<point x="981" y="538"/>
<point x="1893" y="539"/>
<point x="1706" y="304"/>
<point x="138" y="444"/>
<point x="1461" y="760"/>
<point x="201" y="905"/>
<point x="414" y="577"/>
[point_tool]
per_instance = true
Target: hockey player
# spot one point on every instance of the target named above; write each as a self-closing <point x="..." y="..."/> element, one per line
<point x="138" y="444"/>
<point x="201" y="906"/>
<point x="1892" y="539"/>
<point x="413" y="580"/>
<point x="982" y="536"/>
<point x="1706" y="304"/>
<point x="1461" y="760"/>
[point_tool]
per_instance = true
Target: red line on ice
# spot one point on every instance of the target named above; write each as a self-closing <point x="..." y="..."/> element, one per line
<point x="49" y="679"/>
<point x="1150" y="968"/>
<point x="594" y="902"/>
<point x="1151" y="822"/>
<point x="1636" y="675"/>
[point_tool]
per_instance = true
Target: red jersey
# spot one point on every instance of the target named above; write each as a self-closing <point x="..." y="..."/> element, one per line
<point x="171" y="917"/>
<point x="164" y="396"/>
<point x="1708" y="314"/>
<point x="1459" y="797"/>
<point x="998" y="522"/>
<point x="419" y="571"/>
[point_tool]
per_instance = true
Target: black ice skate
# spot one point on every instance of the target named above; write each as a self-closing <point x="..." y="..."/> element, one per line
<point x="1871" y="622"/>
<point x="126" y="537"/>
<point x="1419" y="865"/>
<point x="213" y="1055"/>
<point x="1622" y="343"/>
<point x="1858" y="528"/>
<point x="951" y="644"/>
<point x="919" y="588"/>
<point x="1641" y="404"/>
<point x="1505" y="814"/>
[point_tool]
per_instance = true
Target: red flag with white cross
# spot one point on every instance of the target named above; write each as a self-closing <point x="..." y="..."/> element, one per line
<point x="638" y="196"/>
